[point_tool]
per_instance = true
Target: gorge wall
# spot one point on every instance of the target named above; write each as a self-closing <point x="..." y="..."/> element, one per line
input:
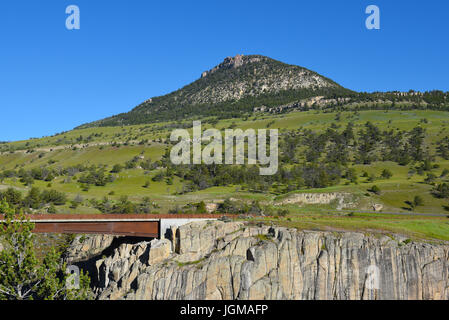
<point x="233" y="260"/>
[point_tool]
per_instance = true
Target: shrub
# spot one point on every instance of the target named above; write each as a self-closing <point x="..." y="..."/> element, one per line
<point x="201" y="207"/>
<point x="375" y="189"/>
<point x="116" y="168"/>
<point x="52" y="209"/>
<point x="54" y="197"/>
<point x="386" y="174"/>
<point x="283" y="212"/>
<point x="418" y="201"/>
<point x="441" y="190"/>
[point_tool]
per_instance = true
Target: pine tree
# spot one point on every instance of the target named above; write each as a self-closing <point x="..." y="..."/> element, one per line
<point x="25" y="277"/>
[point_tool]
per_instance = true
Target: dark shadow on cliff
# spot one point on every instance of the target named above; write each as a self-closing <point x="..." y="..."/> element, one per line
<point x="88" y="265"/>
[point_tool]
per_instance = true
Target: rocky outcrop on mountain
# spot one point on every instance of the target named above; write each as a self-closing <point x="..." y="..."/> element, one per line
<point x="229" y="63"/>
<point x="341" y="199"/>
<point x="244" y="76"/>
<point x="218" y="260"/>
<point x="304" y="104"/>
<point x="377" y="207"/>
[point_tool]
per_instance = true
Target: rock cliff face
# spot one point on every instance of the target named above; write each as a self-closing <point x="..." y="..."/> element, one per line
<point x="218" y="260"/>
<point x="84" y="247"/>
<point x="343" y="200"/>
<point x="229" y="63"/>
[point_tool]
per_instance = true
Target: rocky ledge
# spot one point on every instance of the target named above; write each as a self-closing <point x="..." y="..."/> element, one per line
<point x="219" y="260"/>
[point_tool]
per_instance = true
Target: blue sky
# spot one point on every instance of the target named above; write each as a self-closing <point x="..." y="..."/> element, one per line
<point x="53" y="79"/>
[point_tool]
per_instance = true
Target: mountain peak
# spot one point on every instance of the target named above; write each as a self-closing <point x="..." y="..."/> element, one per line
<point x="235" y="86"/>
<point x="233" y="62"/>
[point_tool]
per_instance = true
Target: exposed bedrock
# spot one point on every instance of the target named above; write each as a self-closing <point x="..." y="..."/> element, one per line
<point x="218" y="260"/>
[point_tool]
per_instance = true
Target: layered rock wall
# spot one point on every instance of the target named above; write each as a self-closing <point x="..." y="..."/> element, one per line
<point x="218" y="260"/>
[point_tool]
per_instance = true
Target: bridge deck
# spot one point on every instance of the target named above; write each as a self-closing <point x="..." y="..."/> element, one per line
<point x="138" y="225"/>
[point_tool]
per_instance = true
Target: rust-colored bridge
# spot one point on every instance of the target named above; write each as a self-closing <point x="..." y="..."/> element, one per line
<point x="136" y="225"/>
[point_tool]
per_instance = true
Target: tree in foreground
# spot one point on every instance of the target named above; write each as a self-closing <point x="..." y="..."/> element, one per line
<point x="25" y="277"/>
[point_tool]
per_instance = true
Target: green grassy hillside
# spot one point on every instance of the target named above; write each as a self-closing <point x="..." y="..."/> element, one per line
<point x="143" y="178"/>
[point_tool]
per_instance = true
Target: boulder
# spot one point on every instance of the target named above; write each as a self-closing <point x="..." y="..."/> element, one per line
<point x="377" y="207"/>
<point x="159" y="251"/>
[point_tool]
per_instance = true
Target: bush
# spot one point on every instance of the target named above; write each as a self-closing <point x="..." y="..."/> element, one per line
<point x="52" y="209"/>
<point x="12" y="196"/>
<point x="116" y="168"/>
<point x="158" y="177"/>
<point x="124" y="206"/>
<point x="77" y="201"/>
<point x="33" y="198"/>
<point x="441" y="190"/>
<point x="54" y="197"/>
<point x="430" y="179"/>
<point x="201" y="207"/>
<point x="283" y="212"/>
<point x="375" y="189"/>
<point x="418" y="201"/>
<point x="444" y="173"/>
<point x="386" y="174"/>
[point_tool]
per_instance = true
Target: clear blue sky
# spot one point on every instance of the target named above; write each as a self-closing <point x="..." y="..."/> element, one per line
<point x="53" y="79"/>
